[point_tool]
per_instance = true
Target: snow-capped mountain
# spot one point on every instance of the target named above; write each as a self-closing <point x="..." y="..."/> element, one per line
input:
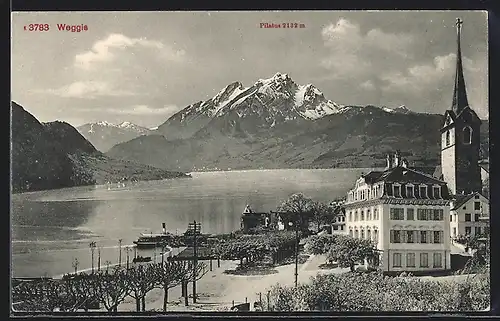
<point x="266" y="104"/>
<point x="273" y="101"/>
<point x="401" y="109"/>
<point x="104" y="135"/>
<point x="277" y="123"/>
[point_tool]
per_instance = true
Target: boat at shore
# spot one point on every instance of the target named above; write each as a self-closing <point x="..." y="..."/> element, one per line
<point x="152" y="240"/>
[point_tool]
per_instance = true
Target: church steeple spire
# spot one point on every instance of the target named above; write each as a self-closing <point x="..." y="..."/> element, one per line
<point x="459" y="92"/>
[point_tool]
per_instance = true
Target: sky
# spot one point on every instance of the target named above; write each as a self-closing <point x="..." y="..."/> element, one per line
<point x="143" y="67"/>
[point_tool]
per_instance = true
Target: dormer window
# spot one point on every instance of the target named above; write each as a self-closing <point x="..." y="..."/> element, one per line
<point x="436" y="191"/>
<point x="409" y="191"/>
<point x="423" y="191"/>
<point x="467" y="133"/>
<point x="397" y="190"/>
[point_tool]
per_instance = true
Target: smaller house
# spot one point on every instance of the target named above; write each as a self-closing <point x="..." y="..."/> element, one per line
<point x="469" y="215"/>
<point x="339" y="224"/>
<point x="251" y="219"/>
<point x="485" y="170"/>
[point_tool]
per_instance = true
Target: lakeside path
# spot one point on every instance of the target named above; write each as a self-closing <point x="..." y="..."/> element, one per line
<point x="216" y="290"/>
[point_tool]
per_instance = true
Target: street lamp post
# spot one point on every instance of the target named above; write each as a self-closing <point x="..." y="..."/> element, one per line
<point x="75" y="265"/>
<point x="296" y="251"/>
<point x="99" y="259"/>
<point x="120" y="252"/>
<point x="92" y="249"/>
<point x="128" y="249"/>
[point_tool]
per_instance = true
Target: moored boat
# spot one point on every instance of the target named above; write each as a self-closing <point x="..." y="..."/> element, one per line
<point x="153" y="240"/>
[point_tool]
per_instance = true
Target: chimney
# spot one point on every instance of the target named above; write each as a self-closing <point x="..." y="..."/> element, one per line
<point x="389" y="161"/>
<point x="397" y="159"/>
<point x="404" y="163"/>
<point x="164" y="228"/>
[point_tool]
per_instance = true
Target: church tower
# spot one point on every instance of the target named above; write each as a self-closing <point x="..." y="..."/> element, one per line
<point x="460" y="137"/>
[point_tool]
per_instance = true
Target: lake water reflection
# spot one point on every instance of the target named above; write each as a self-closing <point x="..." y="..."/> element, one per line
<point x="52" y="228"/>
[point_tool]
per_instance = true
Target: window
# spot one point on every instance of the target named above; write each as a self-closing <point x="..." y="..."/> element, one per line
<point x="438" y="237"/>
<point x="437" y="215"/>
<point x="397" y="213"/>
<point x="465" y="206"/>
<point x="424" y="214"/>
<point x="476" y="197"/>
<point x="451" y="217"/>
<point x="397" y="190"/>
<point x="467" y="131"/>
<point x="423" y="191"/>
<point x="350" y="216"/>
<point x="369" y="235"/>
<point x="368" y="215"/>
<point x="409" y="237"/>
<point x="476" y="217"/>
<point x="437" y="260"/>
<point x="356" y="234"/>
<point x="335" y="227"/>
<point x="375" y="235"/>
<point x="447" y="139"/>
<point x="341" y="227"/>
<point x="455" y="217"/>
<point x="368" y="193"/>
<point x="467" y="217"/>
<point x="395" y="236"/>
<point x="423" y="236"/>
<point x="362" y="234"/>
<point x="362" y="215"/>
<point x="409" y="191"/>
<point x="410" y="259"/>
<point x="436" y="191"/>
<point x="410" y="214"/>
<point x="396" y="257"/>
<point x="424" y="260"/>
<point x="477" y="206"/>
<point x="375" y="213"/>
<point x="454" y="232"/>
<point x="477" y="230"/>
<point x="467" y="230"/>
<point x="351" y="233"/>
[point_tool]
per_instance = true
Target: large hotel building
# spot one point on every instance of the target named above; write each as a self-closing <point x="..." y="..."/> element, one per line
<point x="411" y="216"/>
<point x="405" y="213"/>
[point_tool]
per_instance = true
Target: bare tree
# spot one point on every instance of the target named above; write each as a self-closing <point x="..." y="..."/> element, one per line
<point x="171" y="274"/>
<point x="112" y="288"/>
<point x="80" y="290"/>
<point x="45" y="295"/>
<point x="142" y="279"/>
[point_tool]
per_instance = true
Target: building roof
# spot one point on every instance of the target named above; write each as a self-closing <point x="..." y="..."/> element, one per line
<point x="401" y="174"/>
<point x="461" y="199"/>
<point x="485" y="166"/>
<point x="429" y="170"/>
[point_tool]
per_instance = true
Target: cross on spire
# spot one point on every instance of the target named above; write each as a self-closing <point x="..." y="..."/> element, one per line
<point x="459" y="93"/>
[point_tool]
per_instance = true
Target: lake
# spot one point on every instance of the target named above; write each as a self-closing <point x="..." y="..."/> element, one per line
<point x="50" y="229"/>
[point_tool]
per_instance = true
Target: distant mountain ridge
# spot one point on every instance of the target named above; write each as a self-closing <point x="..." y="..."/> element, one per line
<point x="276" y="123"/>
<point x="55" y="155"/>
<point x="104" y="135"/>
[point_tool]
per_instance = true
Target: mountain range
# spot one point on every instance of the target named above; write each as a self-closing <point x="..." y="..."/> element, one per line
<point x="104" y="135"/>
<point x="54" y="155"/>
<point x="276" y="123"/>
